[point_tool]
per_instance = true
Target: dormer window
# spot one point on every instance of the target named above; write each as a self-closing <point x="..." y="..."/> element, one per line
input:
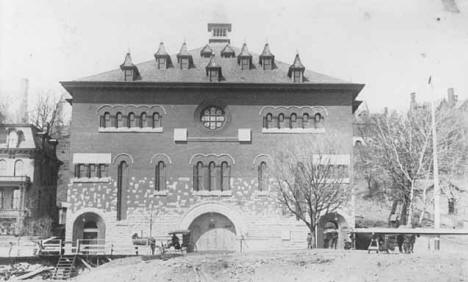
<point x="184" y="58"/>
<point x="130" y="71"/>
<point x="296" y="70"/>
<point x="213" y="70"/>
<point x="128" y="75"/>
<point x="206" y="51"/>
<point x="245" y="65"/>
<point x="228" y="52"/>
<point x="245" y="58"/>
<point x="163" y="60"/>
<point x="267" y="59"/>
<point x="213" y="75"/>
<point x="161" y="63"/>
<point x="297" y="76"/>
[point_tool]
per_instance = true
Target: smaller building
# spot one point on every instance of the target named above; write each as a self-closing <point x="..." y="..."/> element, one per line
<point x="28" y="178"/>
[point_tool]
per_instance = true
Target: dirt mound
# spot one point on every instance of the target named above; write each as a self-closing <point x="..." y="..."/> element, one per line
<point x="321" y="265"/>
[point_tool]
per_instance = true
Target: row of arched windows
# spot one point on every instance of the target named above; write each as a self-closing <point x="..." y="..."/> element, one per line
<point x="292" y="121"/>
<point x="131" y="120"/>
<point x="211" y="176"/>
<point x="18" y="169"/>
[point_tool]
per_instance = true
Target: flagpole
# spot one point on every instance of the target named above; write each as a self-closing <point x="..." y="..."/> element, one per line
<point x="435" y="170"/>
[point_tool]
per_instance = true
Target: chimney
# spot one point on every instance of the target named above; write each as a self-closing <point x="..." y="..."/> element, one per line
<point x="23" y="116"/>
<point x="452" y="98"/>
<point x="219" y="32"/>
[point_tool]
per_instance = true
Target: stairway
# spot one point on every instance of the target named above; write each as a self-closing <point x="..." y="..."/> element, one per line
<point x="64" y="268"/>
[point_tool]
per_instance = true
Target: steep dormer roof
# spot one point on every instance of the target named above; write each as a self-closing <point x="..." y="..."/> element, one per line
<point x="244" y="51"/>
<point x="127" y="64"/>
<point x="161" y="51"/>
<point x="297" y="64"/>
<point x="206" y="51"/>
<point x="213" y="64"/>
<point x="183" y="52"/>
<point x="228" y="51"/>
<point x="266" y="52"/>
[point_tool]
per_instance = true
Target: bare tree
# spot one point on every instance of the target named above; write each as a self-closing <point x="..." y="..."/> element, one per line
<point x="3" y="113"/>
<point x="46" y="114"/>
<point x="310" y="184"/>
<point x="401" y="145"/>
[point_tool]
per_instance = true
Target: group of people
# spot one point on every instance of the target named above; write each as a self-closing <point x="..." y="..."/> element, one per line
<point x="330" y="240"/>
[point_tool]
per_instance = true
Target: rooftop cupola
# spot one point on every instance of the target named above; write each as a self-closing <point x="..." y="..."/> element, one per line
<point x="266" y="58"/>
<point x="184" y="58"/>
<point x="163" y="59"/>
<point x="130" y="71"/>
<point x="206" y="51"/>
<point x="244" y="59"/>
<point x="219" y="32"/>
<point x="213" y="70"/>
<point x="228" y="52"/>
<point x="296" y="70"/>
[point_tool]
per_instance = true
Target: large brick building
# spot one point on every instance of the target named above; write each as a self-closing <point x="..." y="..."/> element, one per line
<point x="183" y="141"/>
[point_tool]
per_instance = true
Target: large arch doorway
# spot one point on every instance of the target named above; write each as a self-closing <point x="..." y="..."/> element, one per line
<point x="89" y="227"/>
<point x="329" y="224"/>
<point x="212" y="232"/>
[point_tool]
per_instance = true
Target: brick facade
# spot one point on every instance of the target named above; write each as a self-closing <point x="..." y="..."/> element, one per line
<point x="259" y="222"/>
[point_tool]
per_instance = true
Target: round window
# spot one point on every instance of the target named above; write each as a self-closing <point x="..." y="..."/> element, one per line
<point x="213" y="117"/>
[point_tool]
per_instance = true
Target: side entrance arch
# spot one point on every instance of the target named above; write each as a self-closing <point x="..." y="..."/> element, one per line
<point x="330" y="224"/>
<point x="89" y="226"/>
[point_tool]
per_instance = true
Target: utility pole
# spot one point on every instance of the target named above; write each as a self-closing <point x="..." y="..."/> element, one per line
<point x="435" y="172"/>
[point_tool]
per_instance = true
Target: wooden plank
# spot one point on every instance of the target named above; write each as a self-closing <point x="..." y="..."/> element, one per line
<point x="35" y="272"/>
<point x="85" y="263"/>
<point x="405" y="230"/>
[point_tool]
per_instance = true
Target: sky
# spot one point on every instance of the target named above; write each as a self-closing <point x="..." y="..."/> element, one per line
<point x="390" y="46"/>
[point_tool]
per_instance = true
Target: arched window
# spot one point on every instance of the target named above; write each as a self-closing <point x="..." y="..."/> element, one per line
<point x="156" y="120"/>
<point x="122" y="182"/>
<point x="262" y="176"/>
<point x="281" y="121"/>
<point x="198" y="177"/>
<point x="305" y="120"/>
<point x="3" y="167"/>
<point x="318" y="120"/>
<point x="293" y="121"/>
<point x="160" y="177"/>
<point x="269" y="121"/>
<point x="131" y="120"/>
<point x="107" y="120"/>
<point x="225" y="176"/>
<point x="143" y="121"/>
<point x="119" y="120"/>
<point x="212" y="176"/>
<point x="19" y="168"/>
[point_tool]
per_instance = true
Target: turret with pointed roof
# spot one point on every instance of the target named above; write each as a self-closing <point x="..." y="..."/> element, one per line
<point x="130" y="71"/>
<point x="163" y="59"/>
<point x="184" y="58"/>
<point x="266" y="58"/>
<point x="296" y="70"/>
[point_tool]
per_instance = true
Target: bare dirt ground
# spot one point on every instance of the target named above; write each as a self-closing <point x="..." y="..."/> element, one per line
<point x="301" y="265"/>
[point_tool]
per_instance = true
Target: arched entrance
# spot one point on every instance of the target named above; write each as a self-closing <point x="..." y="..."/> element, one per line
<point x="90" y="227"/>
<point x="213" y="232"/>
<point x="328" y="225"/>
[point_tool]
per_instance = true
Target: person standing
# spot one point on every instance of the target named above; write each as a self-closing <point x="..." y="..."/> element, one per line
<point x="309" y="241"/>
